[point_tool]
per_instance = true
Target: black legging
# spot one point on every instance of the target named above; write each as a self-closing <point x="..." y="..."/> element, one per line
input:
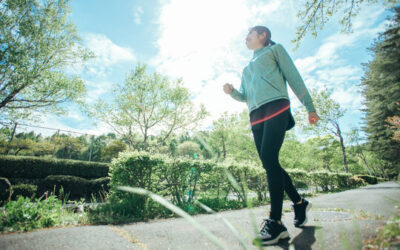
<point x="268" y="138"/>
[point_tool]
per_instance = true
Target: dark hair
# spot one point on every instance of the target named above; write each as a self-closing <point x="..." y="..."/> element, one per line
<point x="262" y="29"/>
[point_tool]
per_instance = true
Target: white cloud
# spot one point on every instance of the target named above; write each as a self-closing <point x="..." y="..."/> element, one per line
<point x="203" y="42"/>
<point x="205" y="46"/>
<point x="96" y="89"/>
<point x="138" y="12"/>
<point x="331" y="66"/>
<point x="107" y="54"/>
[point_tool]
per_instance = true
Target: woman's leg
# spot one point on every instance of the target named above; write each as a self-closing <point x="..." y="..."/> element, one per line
<point x="268" y="140"/>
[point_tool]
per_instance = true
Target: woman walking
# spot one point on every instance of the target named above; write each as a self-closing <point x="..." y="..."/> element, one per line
<point x="263" y="88"/>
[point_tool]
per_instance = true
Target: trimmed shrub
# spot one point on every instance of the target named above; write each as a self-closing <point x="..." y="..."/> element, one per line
<point x="38" y="167"/>
<point x="368" y="179"/>
<point x="25" y="190"/>
<point x="77" y="187"/>
<point x="131" y="169"/>
<point x="4" y="189"/>
<point x="355" y="181"/>
<point x="380" y="179"/>
<point x="323" y="179"/>
<point x="179" y="178"/>
<point x="343" y="180"/>
<point x="300" y="178"/>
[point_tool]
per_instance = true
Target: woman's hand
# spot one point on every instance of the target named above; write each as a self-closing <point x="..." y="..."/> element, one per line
<point x="313" y="118"/>
<point x="228" y="88"/>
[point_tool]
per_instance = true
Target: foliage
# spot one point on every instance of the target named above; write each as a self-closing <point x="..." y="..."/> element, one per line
<point x="185" y="181"/>
<point x="146" y="103"/>
<point x="394" y="123"/>
<point x="387" y="235"/>
<point x="368" y="179"/>
<point x="24" y="215"/>
<point x="40" y="167"/>
<point x="25" y="190"/>
<point x="37" y="43"/>
<point x="330" y="112"/>
<point x="112" y="150"/>
<point x="76" y="187"/>
<point x="355" y="181"/>
<point x="315" y="14"/>
<point x="135" y="169"/>
<point x="381" y="89"/>
<point x="188" y="149"/>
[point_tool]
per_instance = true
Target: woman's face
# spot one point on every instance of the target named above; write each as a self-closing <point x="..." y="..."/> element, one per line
<point x="255" y="41"/>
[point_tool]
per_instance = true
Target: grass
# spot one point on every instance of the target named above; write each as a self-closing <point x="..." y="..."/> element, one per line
<point x="387" y="236"/>
<point x="25" y="215"/>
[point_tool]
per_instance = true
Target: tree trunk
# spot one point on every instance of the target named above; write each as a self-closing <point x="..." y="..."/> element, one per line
<point x="363" y="158"/>
<point x="339" y="134"/>
<point x="223" y="149"/>
<point x="11" y="138"/>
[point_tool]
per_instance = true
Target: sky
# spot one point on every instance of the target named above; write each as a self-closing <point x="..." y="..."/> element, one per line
<point x="203" y="42"/>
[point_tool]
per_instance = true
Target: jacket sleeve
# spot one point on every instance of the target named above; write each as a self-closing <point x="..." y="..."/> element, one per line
<point x="241" y="94"/>
<point x="292" y="75"/>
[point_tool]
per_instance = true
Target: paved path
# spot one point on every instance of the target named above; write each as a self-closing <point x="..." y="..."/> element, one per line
<point x="336" y="221"/>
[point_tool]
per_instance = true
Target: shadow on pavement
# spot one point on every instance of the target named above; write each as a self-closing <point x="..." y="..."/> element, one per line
<point x="304" y="240"/>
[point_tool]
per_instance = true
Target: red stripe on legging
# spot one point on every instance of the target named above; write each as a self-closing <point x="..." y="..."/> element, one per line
<point x="268" y="117"/>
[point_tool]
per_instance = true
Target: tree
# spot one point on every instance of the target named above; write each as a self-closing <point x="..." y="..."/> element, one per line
<point x="394" y="122"/>
<point x="145" y="104"/>
<point x="221" y="133"/>
<point x="330" y="112"/>
<point x="381" y="89"/>
<point x="68" y="147"/>
<point x="188" y="149"/>
<point x="358" y="150"/>
<point x="316" y="13"/>
<point x="112" y="150"/>
<point x="37" y="42"/>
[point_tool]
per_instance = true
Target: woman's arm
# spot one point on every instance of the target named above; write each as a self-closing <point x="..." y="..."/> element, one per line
<point x="241" y="94"/>
<point x="293" y="77"/>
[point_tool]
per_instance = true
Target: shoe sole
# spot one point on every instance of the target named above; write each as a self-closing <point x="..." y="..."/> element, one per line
<point x="307" y="208"/>
<point x="283" y="235"/>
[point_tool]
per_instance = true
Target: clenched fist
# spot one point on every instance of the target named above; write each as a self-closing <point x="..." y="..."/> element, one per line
<point x="228" y="88"/>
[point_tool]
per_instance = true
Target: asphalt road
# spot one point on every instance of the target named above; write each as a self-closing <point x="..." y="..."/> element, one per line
<point x="336" y="221"/>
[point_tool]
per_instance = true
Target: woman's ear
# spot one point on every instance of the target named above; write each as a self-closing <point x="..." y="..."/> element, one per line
<point x="264" y="37"/>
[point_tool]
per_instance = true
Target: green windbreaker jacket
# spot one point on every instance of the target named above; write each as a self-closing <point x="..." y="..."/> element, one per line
<point x="264" y="79"/>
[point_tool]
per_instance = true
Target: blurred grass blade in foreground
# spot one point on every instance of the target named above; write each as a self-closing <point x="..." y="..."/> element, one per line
<point x="176" y="210"/>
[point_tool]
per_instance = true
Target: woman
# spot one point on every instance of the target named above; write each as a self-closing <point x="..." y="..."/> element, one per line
<point x="263" y="88"/>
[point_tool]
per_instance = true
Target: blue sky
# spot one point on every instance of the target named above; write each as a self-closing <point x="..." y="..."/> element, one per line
<point x="203" y="42"/>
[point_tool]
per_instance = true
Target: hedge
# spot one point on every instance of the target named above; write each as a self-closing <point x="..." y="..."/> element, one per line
<point x="31" y="167"/>
<point x="368" y="179"/>
<point x="77" y="187"/>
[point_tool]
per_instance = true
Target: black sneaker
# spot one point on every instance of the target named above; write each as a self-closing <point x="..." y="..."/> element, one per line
<point x="300" y="212"/>
<point x="271" y="232"/>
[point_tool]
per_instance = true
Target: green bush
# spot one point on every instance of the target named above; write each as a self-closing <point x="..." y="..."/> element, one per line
<point x="355" y="181"/>
<point x="300" y="178"/>
<point x="25" y="190"/>
<point x="217" y="204"/>
<point x="368" y="179"/>
<point x="343" y="180"/>
<point x="178" y="178"/>
<point x="131" y="169"/>
<point x="323" y="179"/>
<point x="77" y="187"/>
<point x="380" y="179"/>
<point x="38" y="167"/>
